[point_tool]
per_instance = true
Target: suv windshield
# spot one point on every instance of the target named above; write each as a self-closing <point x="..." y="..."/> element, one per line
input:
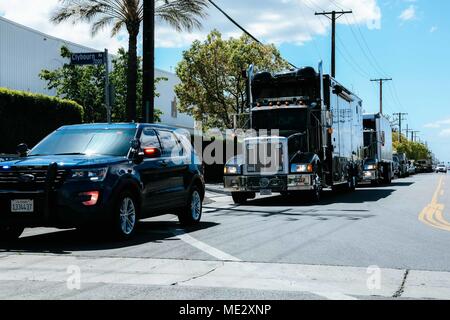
<point x="114" y="142"/>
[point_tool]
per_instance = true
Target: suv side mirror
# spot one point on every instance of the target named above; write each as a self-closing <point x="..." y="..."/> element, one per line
<point x="22" y="150"/>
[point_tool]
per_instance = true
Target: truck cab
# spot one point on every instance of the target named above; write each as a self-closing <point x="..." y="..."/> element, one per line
<point x="306" y="136"/>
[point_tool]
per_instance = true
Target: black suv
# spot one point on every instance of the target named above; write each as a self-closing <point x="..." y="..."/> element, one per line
<point x="101" y="175"/>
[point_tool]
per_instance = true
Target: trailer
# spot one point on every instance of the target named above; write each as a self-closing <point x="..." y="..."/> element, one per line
<point x="378" y="150"/>
<point x="307" y="136"/>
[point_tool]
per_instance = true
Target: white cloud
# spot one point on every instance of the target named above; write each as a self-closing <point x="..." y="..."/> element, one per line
<point x="286" y="21"/>
<point x="408" y="14"/>
<point x="438" y="124"/>
<point x="434" y="29"/>
<point x="445" y="133"/>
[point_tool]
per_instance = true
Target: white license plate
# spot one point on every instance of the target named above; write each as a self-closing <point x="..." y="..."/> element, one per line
<point x="266" y="192"/>
<point x="22" y="206"/>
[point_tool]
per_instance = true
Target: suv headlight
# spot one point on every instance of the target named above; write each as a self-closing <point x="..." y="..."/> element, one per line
<point x="232" y="170"/>
<point x="301" y="168"/>
<point x="96" y="175"/>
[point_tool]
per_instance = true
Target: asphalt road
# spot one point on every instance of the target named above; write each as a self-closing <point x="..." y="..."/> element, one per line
<point x="386" y="242"/>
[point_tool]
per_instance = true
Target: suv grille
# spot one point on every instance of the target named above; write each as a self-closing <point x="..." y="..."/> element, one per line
<point x="28" y="178"/>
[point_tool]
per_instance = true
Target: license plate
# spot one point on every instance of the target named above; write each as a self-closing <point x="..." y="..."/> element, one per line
<point x="266" y="192"/>
<point x="22" y="206"/>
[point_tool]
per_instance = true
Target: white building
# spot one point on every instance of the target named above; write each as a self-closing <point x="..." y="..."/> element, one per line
<point x="24" y="52"/>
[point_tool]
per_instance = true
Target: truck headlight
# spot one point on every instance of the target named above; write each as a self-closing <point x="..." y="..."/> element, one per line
<point x="301" y="168"/>
<point x="96" y="175"/>
<point x="231" y="170"/>
<point x="370" y="167"/>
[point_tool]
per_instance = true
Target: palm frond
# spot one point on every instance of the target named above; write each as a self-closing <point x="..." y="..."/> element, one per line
<point x="182" y="14"/>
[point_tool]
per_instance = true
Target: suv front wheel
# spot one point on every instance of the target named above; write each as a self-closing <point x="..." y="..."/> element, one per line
<point x="192" y="213"/>
<point x="125" y="216"/>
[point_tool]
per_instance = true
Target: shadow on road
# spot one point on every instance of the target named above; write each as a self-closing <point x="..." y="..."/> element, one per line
<point x="328" y="197"/>
<point x="69" y="241"/>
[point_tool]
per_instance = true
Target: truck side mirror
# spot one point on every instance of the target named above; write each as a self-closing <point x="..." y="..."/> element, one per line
<point x="22" y="150"/>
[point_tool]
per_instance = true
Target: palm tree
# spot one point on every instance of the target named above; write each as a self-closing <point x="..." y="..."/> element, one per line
<point x="180" y="14"/>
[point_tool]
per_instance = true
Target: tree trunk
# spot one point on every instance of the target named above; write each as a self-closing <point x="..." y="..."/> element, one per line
<point x="132" y="74"/>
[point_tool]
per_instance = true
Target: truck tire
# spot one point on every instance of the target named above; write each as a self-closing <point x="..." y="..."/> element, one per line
<point x="192" y="213"/>
<point x="10" y="233"/>
<point x="315" y="195"/>
<point x="242" y="197"/>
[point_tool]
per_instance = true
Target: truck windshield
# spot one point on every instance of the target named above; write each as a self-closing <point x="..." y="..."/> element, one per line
<point x="282" y="119"/>
<point x="86" y="142"/>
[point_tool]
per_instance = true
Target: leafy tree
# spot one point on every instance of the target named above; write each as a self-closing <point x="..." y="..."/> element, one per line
<point x="413" y="150"/>
<point x="85" y="85"/>
<point x="181" y="14"/>
<point x="212" y="87"/>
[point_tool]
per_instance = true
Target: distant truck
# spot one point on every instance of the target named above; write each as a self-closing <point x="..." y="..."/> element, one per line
<point x="319" y="143"/>
<point x="424" y="166"/>
<point x="378" y="154"/>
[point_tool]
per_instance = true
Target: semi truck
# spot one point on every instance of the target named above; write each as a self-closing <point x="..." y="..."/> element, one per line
<point x="307" y="136"/>
<point x="378" y="151"/>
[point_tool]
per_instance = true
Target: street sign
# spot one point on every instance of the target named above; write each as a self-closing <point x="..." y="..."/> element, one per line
<point x="87" y="58"/>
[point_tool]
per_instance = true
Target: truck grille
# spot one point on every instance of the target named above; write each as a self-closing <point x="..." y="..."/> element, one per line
<point x="29" y="178"/>
<point x="264" y="157"/>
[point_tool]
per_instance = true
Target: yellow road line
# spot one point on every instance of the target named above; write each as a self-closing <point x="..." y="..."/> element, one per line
<point x="433" y="213"/>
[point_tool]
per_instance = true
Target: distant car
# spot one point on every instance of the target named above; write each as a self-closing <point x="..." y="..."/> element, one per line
<point x="441" y="168"/>
<point x="104" y="177"/>
<point x="396" y="166"/>
<point x="411" y="168"/>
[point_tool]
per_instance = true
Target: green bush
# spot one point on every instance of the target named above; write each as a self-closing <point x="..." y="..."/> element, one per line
<point x="28" y="118"/>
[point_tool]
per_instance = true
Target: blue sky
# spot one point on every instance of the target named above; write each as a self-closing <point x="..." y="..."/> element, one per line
<point x="403" y="39"/>
<point x="411" y="45"/>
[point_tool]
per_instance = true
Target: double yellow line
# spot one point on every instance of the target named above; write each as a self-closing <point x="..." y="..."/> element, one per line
<point x="433" y="214"/>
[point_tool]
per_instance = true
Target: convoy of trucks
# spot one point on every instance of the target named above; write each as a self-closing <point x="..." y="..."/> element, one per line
<point x="309" y="133"/>
<point x="318" y="142"/>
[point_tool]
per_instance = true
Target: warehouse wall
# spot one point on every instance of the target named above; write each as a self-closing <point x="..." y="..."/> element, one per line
<point x="24" y="52"/>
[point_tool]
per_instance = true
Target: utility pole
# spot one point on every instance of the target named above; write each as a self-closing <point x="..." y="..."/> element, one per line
<point x="400" y="119"/>
<point x="381" y="91"/>
<point x="408" y="130"/>
<point x="414" y="135"/>
<point x="334" y="16"/>
<point x="148" y="67"/>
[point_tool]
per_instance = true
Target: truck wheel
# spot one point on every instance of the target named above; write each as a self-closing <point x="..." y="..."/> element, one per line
<point x="10" y="233"/>
<point x="192" y="213"/>
<point x="242" y="197"/>
<point x="125" y="217"/>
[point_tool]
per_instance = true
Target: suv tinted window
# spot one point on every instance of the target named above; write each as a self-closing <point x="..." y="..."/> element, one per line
<point x="170" y="144"/>
<point x="149" y="138"/>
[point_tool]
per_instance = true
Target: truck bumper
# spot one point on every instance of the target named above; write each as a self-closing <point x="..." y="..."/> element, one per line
<point x="279" y="183"/>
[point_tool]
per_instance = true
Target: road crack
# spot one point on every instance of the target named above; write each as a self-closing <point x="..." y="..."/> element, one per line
<point x="400" y="290"/>
<point x="197" y="277"/>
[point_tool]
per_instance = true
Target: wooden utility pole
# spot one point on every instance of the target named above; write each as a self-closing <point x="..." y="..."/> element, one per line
<point x="400" y="119"/>
<point x="381" y="91"/>
<point x="148" y="67"/>
<point x="334" y="16"/>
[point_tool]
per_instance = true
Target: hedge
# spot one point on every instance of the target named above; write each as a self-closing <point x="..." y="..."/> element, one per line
<point x="28" y="118"/>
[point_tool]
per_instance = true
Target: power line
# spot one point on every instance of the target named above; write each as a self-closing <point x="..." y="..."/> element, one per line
<point x="241" y="27"/>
